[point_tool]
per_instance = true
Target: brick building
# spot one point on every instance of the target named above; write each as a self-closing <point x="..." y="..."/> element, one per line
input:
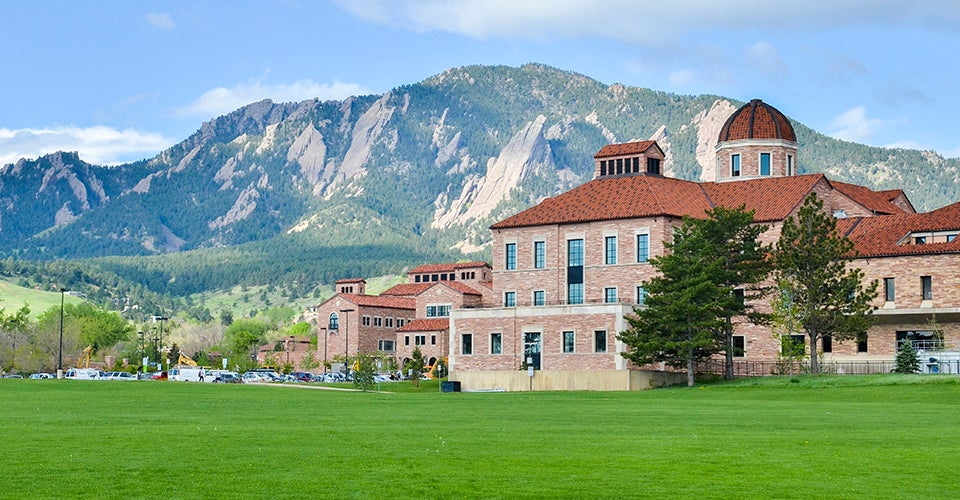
<point x="567" y="271"/>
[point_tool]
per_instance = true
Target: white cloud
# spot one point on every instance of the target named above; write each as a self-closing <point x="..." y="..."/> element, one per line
<point x="222" y="100"/>
<point x="854" y="125"/>
<point x="161" y="21"/>
<point x="765" y="58"/>
<point x="99" y="145"/>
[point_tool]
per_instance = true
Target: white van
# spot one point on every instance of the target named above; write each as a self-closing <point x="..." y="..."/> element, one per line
<point x="190" y="374"/>
<point x="82" y="374"/>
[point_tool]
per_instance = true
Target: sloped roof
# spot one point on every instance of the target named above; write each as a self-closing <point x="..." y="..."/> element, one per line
<point x="878" y="202"/>
<point x="878" y="236"/>
<point x="406" y="289"/>
<point x="392" y="302"/>
<point x="426" y="325"/>
<point x="447" y="267"/>
<point x="626" y="148"/>
<point x="608" y="198"/>
<point x="771" y="198"/>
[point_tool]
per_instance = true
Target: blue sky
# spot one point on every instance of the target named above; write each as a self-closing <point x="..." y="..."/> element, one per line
<point x="122" y="80"/>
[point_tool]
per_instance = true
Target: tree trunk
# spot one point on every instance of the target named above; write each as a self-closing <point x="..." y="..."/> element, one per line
<point x="728" y="359"/>
<point x="814" y="367"/>
<point x="690" y="369"/>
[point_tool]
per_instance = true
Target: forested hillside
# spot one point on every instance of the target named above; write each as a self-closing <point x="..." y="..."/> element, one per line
<point x="297" y="195"/>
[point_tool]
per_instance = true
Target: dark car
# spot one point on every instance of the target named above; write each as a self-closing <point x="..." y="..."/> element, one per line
<point x="158" y="375"/>
<point x="302" y="376"/>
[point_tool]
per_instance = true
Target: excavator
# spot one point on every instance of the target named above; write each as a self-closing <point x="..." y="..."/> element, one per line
<point x="431" y="371"/>
<point x="185" y="361"/>
<point x="84" y="360"/>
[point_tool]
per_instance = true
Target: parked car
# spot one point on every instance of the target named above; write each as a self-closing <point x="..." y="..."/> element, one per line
<point x="300" y="377"/>
<point x="253" y="377"/>
<point x="118" y="376"/>
<point x="13" y="375"/>
<point x="40" y="376"/>
<point x="158" y="375"/>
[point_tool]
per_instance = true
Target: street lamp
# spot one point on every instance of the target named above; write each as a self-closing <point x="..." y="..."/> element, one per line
<point x="60" y="356"/>
<point x="324" y="330"/>
<point x="346" y="336"/>
<point x="143" y="357"/>
<point x="160" y="344"/>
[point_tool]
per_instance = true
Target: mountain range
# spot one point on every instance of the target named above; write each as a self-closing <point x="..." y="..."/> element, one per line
<point x="300" y="194"/>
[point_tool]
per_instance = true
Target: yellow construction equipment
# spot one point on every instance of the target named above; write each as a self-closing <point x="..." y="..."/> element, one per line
<point x="84" y="360"/>
<point x="431" y="371"/>
<point x="186" y="360"/>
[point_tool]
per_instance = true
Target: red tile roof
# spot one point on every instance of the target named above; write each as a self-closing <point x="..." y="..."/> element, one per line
<point x="615" y="198"/>
<point x="626" y="148"/>
<point x="426" y="325"/>
<point x="878" y="236"/>
<point x="772" y="198"/>
<point x="878" y="202"/>
<point x="392" y="302"/>
<point x="448" y="267"/>
<point x="351" y="280"/>
<point x="757" y="120"/>
<point x="406" y="289"/>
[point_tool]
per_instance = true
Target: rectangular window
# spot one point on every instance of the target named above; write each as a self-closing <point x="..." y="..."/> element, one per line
<point x="889" y="291"/>
<point x="600" y="341"/>
<point x="764" y="163"/>
<point x="539" y="254"/>
<point x="568" y="342"/>
<point x="740" y="295"/>
<point x="511" y="256"/>
<point x="789" y="165"/>
<point x="643" y="247"/>
<point x="793" y="345"/>
<point x="734" y="165"/>
<point x="739" y="346"/>
<point x="575" y="293"/>
<point x="385" y="345"/>
<point x="610" y="295"/>
<point x="509" y="299"/>
<point x="926" y="286"/>
<point x="388" y="322"/>
<point x="603" y="167"/>
<point x="406" y="340"/>
<point x="539" y="297"/>
<point x="575" y="271"/>
<point x="653" y="166"/>
<point x="438" y="311"/>
<point x="433" y="339"/>
<point x="920" y="240"/>
<point x="862" y="343"/>
<point x="466" y="344"/>
<point x="610" y="250"/>
<point x="496" y="343"/>
<point x="951" y="237"/>
<point x="826" y="344"/>
<point x="420" y="340"/>
<point x="575" y="253"/>
<point x="377" y="321"/>
<point x="365" y="321"/>
<point x="641" y="295"/>
<point x="400" y="322"/>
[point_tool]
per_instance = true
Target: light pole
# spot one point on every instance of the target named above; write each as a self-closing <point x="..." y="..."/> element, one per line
<point x="346" y="337"/>
<point x="324" y="333"/>
<point x="160" y="344"/>
<point x="60" y="355"/>
<point x="143" y="357"/>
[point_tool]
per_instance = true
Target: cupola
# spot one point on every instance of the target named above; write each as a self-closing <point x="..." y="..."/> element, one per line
<point x="756" y="141"/>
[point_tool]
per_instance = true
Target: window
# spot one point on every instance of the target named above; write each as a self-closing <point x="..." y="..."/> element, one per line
<point x="735" y="165"/>
<point x="377" y="321"/>
<point x="888" y="289"/>
<point x="739" y="346"/>
<point x="610" y="250"/>
<point x="740" y="296"/>
<point x="862" y="343"/>
<point x="610" y="295"/>
<point x="793" y="345"/>
<point x="433" y="339"/>
<point x="653" y="166"/>
<point x="600" y="341"/>
<point x="920" y="240"/>
<point x="926" y="286"/>
<point x="416" y="279"/>
<point x="365" y="321"/>
<point x="496" y="343"/>
<point x="509" y="299"/>
<point x="764" y="163"/>
<point x="826" y="344"/>
<point x="789" y="165"/>
<point x="438" y="311"/>
<point x="401" y="322"/>
<point x="575" y="271"/>
<point x="539" y="254"/>
<point x="603" y="167"/>
<point x="951" y="237"/>
<point x="568" y="342"/>
<point x="511" y="256"/>
<point x="539" y="297"/>
<point x="385" y="345"/>
<point x="420" y="339"/>
<point x="334" y="323"/>
<point x="406" y="340"/>
<point x="466" y="343"/>
<point x="643" y="247"/>
<point x="641" y="295"/>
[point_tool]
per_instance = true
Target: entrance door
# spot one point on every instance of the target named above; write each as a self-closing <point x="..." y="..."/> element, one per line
<point x="531" y="349"/>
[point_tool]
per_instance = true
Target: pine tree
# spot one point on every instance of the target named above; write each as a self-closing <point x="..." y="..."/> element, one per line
<point x="825" y="296"/>
<point x="907" y="360"/>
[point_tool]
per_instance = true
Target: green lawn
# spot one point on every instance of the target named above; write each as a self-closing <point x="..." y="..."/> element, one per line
<point x="13" y="297"/>
<point x="828" y="437"/>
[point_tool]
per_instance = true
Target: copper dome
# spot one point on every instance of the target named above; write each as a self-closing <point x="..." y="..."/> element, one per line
<point x="757" y="120"/>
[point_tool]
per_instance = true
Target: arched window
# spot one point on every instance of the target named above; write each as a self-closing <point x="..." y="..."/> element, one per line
<point x="334" y="322"/>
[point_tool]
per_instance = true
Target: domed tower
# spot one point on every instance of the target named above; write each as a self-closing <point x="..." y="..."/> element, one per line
<point x="756" y="141"/>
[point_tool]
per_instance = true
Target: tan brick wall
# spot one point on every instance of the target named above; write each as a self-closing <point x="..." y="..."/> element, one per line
<point x="750" y="158"/>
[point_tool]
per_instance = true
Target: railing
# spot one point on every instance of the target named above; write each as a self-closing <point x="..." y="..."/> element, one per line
<point x="765" y="368"/>
<point x="529" y="303"/>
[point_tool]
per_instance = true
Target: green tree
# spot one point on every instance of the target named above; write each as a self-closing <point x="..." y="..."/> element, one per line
<point x="822" y="295"/>
<point x="244" y="335"/>
<point x="729" y="237"/>
<point x="415" y="366"/>
<point x="363" y="375"/>
<point x="684" y="314"/>
<point x="907" y="361"/>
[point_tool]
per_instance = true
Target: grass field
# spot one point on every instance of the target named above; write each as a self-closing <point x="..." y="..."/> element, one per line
<point x="13" y="297"/>
<point x="818" y="437"/>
